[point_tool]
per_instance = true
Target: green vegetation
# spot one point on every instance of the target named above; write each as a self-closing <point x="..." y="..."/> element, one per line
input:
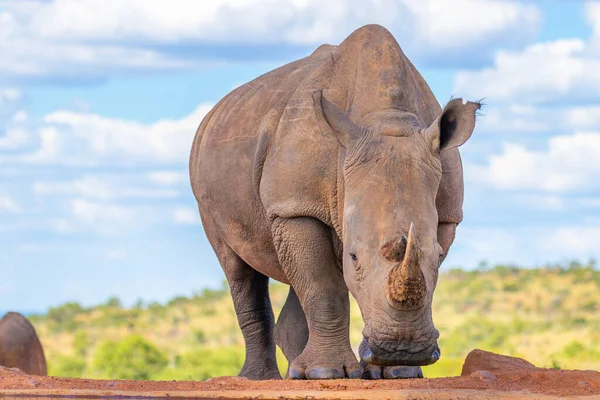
<point x="550" y="316"/>
<point x="130" y="358"/>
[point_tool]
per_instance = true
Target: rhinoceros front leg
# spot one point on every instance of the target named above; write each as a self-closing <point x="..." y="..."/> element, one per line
<point x="307" y="257"/>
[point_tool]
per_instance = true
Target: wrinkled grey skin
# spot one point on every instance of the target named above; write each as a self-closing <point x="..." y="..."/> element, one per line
<point x="338" y="172"/>
<point x="20" y="346"/>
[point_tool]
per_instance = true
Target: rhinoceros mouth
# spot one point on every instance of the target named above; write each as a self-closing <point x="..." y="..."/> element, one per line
<point x="375" y="353"/>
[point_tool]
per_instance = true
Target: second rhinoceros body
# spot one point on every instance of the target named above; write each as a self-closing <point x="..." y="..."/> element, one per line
<point x="338" y="172"/>
<point x="20" y="346"/>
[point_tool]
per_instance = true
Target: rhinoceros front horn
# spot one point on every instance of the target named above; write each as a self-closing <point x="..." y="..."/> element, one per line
<point x="406" y="288"/>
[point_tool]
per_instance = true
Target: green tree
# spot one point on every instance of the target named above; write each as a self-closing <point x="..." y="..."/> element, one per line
<point x="131" y="358"/>
<point x="114" y="302"/>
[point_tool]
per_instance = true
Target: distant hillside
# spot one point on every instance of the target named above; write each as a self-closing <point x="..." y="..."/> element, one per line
<point x="550" y="316"/>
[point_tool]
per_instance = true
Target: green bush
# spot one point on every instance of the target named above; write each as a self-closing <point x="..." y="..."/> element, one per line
<point x="81" y="343"/>
<point x="511" y="287"/>
<point x="475" y="333"/>
<point x="131" y="358"/>
<point x="446" y="366"/>
<point x="574" y="349"/>
<point x="209" y="362"/>
<point x="590" y="305"/>
<point x="200" y="337"/>
<point x="204" y="363"/>
<point x="66" y="366"/>
<point x="177" y="301"/>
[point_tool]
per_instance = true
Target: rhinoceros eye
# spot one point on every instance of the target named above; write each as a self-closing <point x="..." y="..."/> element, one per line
<point x="353" y="257"/>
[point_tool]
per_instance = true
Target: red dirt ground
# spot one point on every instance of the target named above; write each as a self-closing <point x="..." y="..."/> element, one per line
<point x="516" y="383"/>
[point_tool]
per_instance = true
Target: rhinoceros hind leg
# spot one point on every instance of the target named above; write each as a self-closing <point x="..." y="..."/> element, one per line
<point x="291" y="329"/>
<point x="250" y="293"/>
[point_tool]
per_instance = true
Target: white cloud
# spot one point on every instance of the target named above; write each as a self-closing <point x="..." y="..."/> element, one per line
<point x="13" y="132"/>
<point x="546" y="202"/>
<point x="186" y="216"/>
<point x="84" y="139"/>
<point x="461" y="23"/>
<point x="14" y="138"/>
<point x="31" y="51"/>
<point x="523" y="245"/>
<point x="593" y="15"/>
<point x="442" y="22"/>
<point x="7" y="204"/>
<point x="99" y="217"/>
<point x="559" y="71"/>
<point x="85" y="39"/>
<point x="143" y="186"/>
<point x="592" y="202"/>
<point x="106" y="187"/>
<point x="574" y="240"/>
<point x="9" y="279"/>
<point x="107" y="203"/>
<point x="93" y="212"/>
<point x="9" y="95"/>
<point x="116" y="254"/>
<point x="489" y="240"/>
<point x="583" y="117"/>
<point x="474" y="244"/>
<point x="10" y="101"/>
<point x="569" y="163"/>
<point x="519" y="118"/>
<point x="555" y="72"/>
<point x="169" y="178"/>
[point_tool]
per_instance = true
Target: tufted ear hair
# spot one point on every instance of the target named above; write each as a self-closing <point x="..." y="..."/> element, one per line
<point x="454" y="126"/>
<point x="344" y="129"/>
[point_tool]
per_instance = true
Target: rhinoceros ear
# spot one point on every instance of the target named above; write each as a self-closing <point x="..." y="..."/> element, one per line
<point x="455" y="126"/>
<point x="344" y="129"/>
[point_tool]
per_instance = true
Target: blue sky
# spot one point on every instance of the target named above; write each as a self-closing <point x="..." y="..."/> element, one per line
<point x="99" y="101"/>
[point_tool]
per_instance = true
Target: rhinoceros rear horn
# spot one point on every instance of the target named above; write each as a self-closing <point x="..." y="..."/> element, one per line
<point x="406" y="287"/>
<point x="454" y="126"/>
<point x="344" y="129"/>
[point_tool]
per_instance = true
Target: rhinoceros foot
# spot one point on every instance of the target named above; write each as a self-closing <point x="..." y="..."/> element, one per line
<point x="260" y="373"/>
<point x="395" y="372"/>
<point x="325" y="366"/>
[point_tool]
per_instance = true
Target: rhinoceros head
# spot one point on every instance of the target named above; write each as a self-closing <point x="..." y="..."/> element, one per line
<point x="391" y="174"/>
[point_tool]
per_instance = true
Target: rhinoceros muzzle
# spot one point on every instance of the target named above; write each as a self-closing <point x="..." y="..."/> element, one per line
<point x="394" y="354"/>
